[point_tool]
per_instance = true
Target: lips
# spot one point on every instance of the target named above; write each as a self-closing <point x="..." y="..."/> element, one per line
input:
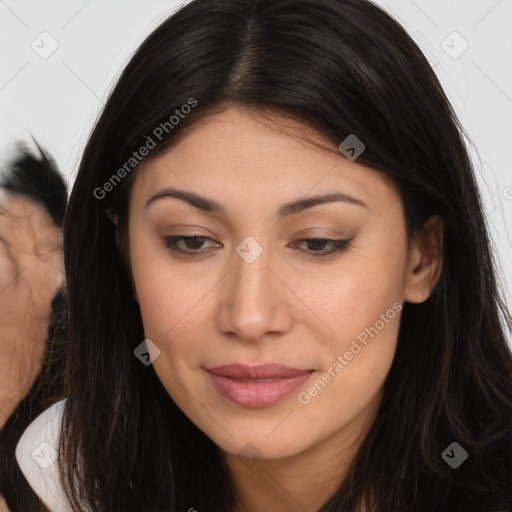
<point x="265" y="371"/>
<point x="257" y="386"/>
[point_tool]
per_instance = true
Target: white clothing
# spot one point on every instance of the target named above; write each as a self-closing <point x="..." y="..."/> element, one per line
<point x="36" y="454"/>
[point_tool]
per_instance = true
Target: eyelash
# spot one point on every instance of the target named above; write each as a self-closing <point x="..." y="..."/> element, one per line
<point x="338" y="245"/>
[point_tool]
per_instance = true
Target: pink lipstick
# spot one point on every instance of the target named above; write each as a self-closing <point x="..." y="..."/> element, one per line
<point x="257" y="386"/>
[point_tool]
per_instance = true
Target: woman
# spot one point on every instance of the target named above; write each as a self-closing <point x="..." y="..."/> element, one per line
<point x="281" y="291"/>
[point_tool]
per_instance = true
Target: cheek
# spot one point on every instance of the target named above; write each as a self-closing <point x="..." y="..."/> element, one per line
<point x="169" y="308"/>
<point x="355" y="295"/>
<point x="363" y="332"/>
<point x="358" y="355"/>
<point x="162" y="295"/>
<point x="174" y="312"/>
<point x="360" y="310"/>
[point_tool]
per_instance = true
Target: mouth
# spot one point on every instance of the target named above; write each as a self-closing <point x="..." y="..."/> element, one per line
<point x="257" y="386"/>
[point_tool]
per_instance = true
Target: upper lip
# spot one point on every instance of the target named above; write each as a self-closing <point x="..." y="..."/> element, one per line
<point x="262" y="371"/>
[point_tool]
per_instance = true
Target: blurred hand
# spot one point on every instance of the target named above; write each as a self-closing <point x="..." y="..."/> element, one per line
<point x="3" y="505"/>
<point x="30" y="274"/>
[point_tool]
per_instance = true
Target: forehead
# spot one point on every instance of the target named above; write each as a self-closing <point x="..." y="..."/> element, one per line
<point x="241" y="153"/>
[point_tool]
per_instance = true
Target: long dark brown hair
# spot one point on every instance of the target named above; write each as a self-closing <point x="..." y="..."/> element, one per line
<point x="341" y="67"/>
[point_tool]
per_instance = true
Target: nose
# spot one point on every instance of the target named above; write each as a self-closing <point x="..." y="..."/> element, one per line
<point x="256" y="300"/>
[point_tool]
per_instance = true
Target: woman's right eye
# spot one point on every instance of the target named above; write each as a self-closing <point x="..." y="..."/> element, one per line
<point x="192" y="244"/>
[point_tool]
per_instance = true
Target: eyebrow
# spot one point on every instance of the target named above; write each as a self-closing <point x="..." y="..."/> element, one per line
<point x="292" y="207"/>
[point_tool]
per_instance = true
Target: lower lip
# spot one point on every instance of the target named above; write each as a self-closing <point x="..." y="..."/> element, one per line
<point x="257" y="394"/>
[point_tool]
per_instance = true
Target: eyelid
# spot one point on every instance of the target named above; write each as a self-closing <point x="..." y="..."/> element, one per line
<point x="338" y="245"/>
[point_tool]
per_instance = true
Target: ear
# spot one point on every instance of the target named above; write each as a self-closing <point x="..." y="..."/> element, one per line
<point x="130" y="272"/>
<point x="114" y="217"/>
<point x="425" y="260"/>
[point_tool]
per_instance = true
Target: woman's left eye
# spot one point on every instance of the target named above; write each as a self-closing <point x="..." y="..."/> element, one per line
<point x="319" y="243"/>
<point x="193" y="244"/>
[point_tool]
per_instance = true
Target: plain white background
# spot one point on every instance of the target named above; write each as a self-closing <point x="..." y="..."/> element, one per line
<point x="57" y="97"/>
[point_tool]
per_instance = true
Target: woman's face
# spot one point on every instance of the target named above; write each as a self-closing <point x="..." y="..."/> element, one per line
<point x="253" y="292"/>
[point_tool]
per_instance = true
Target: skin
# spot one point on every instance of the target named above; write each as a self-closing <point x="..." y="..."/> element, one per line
<point x="30" y="274"/>
<point x="288" y="306"/>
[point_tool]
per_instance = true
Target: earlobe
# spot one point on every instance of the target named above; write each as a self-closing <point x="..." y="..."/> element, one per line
<point x="114" y="217"/>
<point x="425" y="261"/>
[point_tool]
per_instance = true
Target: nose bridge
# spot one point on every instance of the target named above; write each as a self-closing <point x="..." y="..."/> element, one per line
<point x="254" y="300"/>
<point x="252" y="274"/>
